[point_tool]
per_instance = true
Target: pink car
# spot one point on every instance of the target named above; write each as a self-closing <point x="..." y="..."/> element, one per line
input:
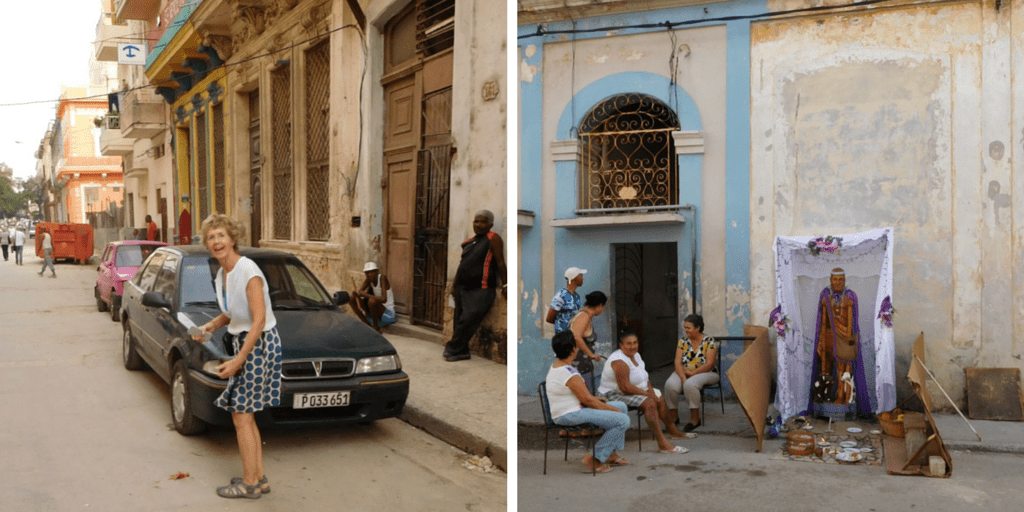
<point x="120" y="262"/>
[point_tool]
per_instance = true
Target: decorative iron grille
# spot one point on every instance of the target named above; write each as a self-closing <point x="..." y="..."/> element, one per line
<point x="318" y="70"/>
<point x="255" y="169"/>
<point x="282" y="148"/>
<point x="430" y="261"/>
<point x="435" y="26"/>
<point x="202" y="169"/>
<point x="219" y="188"/>
<point x="627" y="156"/>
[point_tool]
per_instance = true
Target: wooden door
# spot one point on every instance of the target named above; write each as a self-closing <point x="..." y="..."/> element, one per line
<point x="401" y="139"/>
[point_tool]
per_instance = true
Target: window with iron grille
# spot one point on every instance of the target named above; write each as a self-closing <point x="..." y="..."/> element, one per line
<point x="435" y="26"/>
<point x="318" y="70"/>
<point x="219" y="198"/>
<point x="627" y="156"/>
<point x="202" y="168"/>
<point x="281" y="134"/>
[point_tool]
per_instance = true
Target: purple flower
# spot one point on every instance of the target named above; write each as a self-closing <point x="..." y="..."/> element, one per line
<point x="886" y="311"/>
<point x="830" y="244"/>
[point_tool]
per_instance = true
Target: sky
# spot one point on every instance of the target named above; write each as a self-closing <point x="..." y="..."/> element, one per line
<point x="48" y="43"/>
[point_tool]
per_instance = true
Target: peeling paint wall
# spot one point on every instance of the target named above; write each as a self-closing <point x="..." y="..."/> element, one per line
<point x="560" y="79"/>
<point x="900" y="117"/>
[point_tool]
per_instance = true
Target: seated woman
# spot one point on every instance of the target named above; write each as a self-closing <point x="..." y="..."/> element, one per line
<point x="582" y="328"/>
<point x="571" y="404"/>
<point x="694" y="369"/>
<point x="625" y="380"/>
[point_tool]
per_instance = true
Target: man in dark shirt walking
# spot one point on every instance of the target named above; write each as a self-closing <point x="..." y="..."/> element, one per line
<point x="483" y="262"/>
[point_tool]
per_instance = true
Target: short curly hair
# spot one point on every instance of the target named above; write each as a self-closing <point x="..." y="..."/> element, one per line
<point x="234" y="228"/>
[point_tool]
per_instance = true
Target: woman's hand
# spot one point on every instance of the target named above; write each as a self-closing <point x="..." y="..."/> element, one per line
<point x="229" y="367"/>
<point x="595" y="357"/>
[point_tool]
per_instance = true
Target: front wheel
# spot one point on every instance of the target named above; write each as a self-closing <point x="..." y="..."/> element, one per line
<point x="185" y="422"/>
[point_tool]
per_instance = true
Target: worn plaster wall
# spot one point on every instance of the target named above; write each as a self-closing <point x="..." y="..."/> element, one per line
<point x="555" y="73"/>
<point x="899" y="117"/>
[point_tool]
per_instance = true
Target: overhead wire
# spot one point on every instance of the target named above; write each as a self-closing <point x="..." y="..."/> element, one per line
<point x="543" y="31"/>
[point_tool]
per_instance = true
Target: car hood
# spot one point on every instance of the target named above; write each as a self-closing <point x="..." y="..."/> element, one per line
<point x="309" y="334"/>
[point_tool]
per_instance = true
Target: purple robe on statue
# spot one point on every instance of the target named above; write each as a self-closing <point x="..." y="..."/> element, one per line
<point x="859" y="380"/>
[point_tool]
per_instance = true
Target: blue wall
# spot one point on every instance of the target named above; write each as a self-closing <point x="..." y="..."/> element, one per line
<point x="591" y="248"/>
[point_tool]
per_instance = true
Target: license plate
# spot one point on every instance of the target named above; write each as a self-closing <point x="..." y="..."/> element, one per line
<point x="316" y="400"/>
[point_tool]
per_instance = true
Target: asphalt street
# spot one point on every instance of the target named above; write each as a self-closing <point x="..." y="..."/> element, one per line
<point x="723" y="473"/>
<point x="79" y="432"/>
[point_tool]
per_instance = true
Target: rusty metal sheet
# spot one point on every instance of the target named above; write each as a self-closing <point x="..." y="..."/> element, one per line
<point x="995" y="394"/>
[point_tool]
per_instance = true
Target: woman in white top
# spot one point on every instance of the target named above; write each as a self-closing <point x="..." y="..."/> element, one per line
<point x="625" y="379"/>
<point x="571" y="404"/>
<point x="255" y="371"/>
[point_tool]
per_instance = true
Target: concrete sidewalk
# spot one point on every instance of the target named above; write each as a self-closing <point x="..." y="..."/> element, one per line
<point x="462" y="403"/>
<point x="996" y="436"/>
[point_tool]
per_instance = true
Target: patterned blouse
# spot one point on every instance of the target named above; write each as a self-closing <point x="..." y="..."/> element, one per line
<point x="694" y="359"/>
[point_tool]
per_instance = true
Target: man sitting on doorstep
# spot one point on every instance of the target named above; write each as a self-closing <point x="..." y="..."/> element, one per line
<point x="374" y="302"/>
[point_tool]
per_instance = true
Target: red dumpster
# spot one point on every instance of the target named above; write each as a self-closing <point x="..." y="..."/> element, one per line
<point x="70" y="241"/>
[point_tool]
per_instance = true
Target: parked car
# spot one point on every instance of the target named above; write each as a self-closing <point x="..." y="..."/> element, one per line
<point x="335" y="369"/>
<point x="120" y="262"/>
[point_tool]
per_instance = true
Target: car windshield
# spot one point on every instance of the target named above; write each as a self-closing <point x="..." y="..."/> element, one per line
<point x="133" y="255"/>
<point x="197" y="283"/>
<point x="291" y="285"/>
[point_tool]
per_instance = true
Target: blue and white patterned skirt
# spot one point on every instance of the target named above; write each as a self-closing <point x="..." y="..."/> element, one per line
<point x="258" y="384"/>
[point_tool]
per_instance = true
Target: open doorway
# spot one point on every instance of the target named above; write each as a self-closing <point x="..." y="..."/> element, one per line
<point x="646" y="298"/>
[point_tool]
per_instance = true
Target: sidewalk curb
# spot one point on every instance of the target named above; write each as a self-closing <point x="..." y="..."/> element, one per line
<point x="437" y="426"/>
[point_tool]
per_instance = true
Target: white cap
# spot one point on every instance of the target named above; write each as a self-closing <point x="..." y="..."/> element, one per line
<point x="572" y="272"/>
<point x="369" y="266"/>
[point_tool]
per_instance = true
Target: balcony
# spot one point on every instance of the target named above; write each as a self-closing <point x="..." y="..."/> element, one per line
<point x="109" y="32"/>
<point x="143" y="114"/>
<point x="142" y="10"/>
<point x="112" y="143"/>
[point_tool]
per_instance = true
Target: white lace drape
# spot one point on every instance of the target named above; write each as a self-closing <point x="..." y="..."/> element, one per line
<point x="799" y="278"/>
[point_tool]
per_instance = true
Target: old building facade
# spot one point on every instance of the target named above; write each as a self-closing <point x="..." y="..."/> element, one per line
<point x="785" y="118"/>
<point x="341" y="131"/>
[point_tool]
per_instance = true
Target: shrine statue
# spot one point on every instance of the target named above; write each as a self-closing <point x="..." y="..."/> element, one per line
<point x="838" y="372"/>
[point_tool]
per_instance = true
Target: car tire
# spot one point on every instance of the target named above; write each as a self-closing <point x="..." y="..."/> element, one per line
<point x="115" y="307"/>
<point x="101" y="306"/>
<point x="185" y="422"/>
<point x="129" y="354"/>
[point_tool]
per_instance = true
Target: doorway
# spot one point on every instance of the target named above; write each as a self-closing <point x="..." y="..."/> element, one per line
<point x="647" y="298"/>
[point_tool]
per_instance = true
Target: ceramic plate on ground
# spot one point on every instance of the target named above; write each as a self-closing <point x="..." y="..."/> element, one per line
<point x="851" y="450"/>
<point x="865" y="450"/>
<point x="854" y="430"/>
<point x="849" y="457"/>
<point x="876" y="432"/>
<point x="808" y="427"/>
<point x="848" y="444"/>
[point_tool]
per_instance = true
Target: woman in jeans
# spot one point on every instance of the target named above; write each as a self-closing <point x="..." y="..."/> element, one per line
<point x="571" y="404"/>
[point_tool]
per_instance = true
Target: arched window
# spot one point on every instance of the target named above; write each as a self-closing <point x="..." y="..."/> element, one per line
<point x="627" y="156"/>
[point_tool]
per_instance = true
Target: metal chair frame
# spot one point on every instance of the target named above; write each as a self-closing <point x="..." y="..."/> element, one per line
<point x="549" y="425"/>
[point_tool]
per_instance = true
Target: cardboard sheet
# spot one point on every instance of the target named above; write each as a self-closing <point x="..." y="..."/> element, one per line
<point x="751" y="379"/>
<point x="898" y="461"/>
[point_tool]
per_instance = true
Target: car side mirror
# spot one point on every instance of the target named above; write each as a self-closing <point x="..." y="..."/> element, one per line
<point x="341" y="298"/>
<point x="155" y="300"/>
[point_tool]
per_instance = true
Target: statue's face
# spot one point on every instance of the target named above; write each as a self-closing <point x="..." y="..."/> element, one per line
<point x="838" y="283"/>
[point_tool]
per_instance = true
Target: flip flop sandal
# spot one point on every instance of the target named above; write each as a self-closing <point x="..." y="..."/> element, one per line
<point x="239" y="490"/>
<point x="263" y="484"/>
<point x="603" y="468"/>
<point x="677" y="449"/>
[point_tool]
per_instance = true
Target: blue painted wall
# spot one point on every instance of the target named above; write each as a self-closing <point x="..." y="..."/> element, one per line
<point x="591" y="248"/>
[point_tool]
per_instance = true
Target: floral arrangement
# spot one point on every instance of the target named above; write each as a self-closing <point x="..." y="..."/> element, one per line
<point x="779" y="321"/>
<point x="830" y="244"/>
<point x="886" y="312"/>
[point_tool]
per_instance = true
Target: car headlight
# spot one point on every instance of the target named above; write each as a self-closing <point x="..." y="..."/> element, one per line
<point x="378" y="364"/>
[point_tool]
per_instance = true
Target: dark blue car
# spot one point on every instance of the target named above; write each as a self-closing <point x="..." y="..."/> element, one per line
<point x="336" y="369"/>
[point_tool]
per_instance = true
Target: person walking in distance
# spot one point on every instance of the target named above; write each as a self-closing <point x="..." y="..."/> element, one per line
<point x="5" y="240"/>
<point x="47" y="244"/>
<point x="150" y="229"/>
<point x="19" y="245"/>
<point x="483" y="262"/>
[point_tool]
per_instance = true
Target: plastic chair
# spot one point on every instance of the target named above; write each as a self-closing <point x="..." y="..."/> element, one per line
<point x="549" y="425"/>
